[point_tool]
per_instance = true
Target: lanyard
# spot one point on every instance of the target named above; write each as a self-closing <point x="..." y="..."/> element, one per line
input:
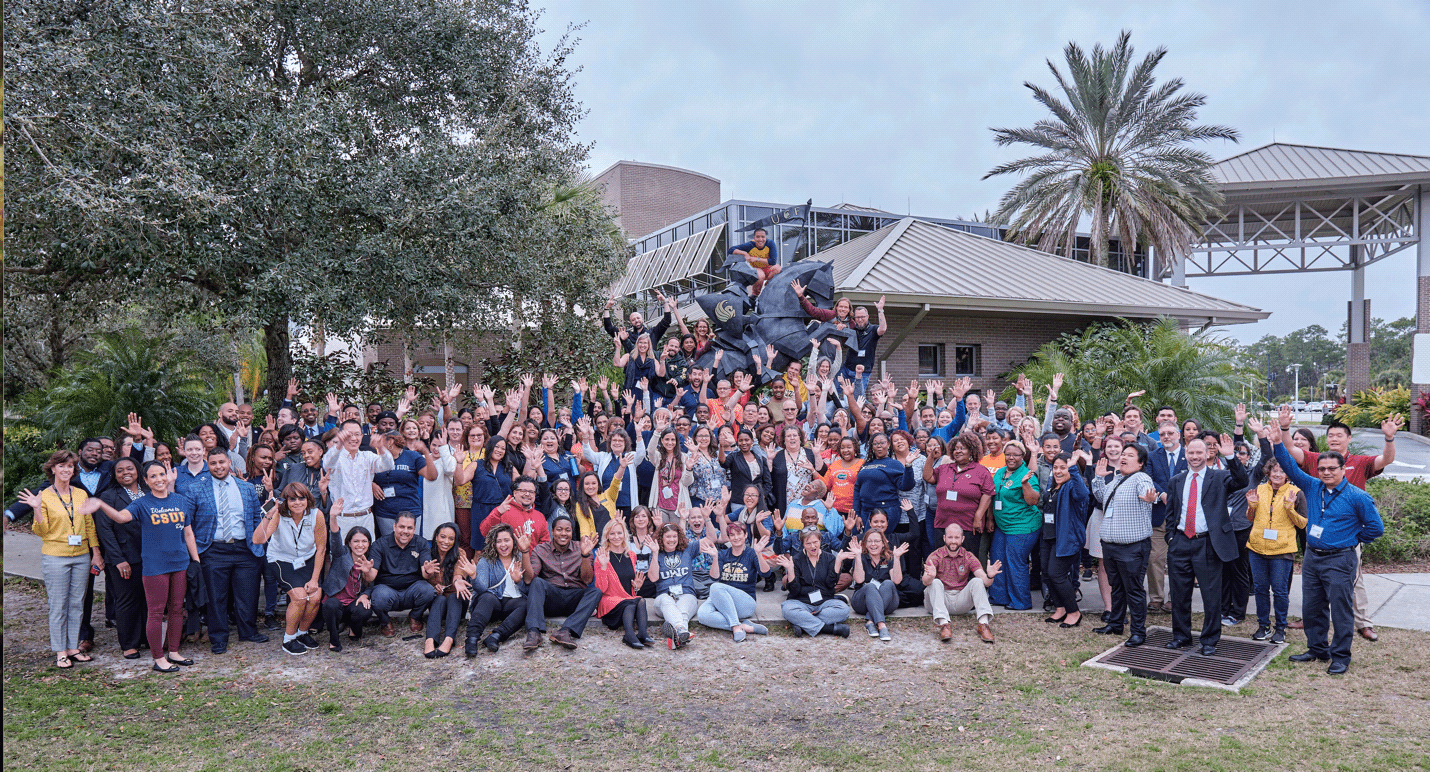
<point x="1325" y="503"/>
<point x="69" y="508"/>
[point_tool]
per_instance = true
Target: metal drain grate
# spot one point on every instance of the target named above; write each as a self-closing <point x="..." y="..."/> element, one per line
<point x="1236" y="660"/>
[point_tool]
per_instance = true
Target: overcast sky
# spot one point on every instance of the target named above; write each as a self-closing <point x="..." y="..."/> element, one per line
<point x="890" y="105"/>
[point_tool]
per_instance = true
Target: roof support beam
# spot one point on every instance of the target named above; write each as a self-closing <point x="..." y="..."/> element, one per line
<point x="904" y="333"/>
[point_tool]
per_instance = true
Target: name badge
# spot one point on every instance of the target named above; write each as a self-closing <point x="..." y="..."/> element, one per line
<point x="666" y="492"/>
<point x="875" y="583"/>
<point x="1269" y="534"/>
<point x="998" y="506"/>
<point x="951" y="495"/>
<point x="676" y="591"/>
<point x="76" y="540"/>
<point x="815" y="596"/>
<point x="859" y="352"/>
<point x="1316" y="531"/>
<point x="389" y="491"/>
<point x="299" y="563"/>
<point x="1048" y="518"/>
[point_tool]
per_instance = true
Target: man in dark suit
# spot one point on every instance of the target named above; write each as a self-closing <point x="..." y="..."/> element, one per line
<point x="1200" y="540"/>
<point x="1163" y="464"/>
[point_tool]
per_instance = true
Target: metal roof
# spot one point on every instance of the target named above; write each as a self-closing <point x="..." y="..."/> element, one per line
<point x="1280" y="162"/>
<point x="672" y="262"/>
<point x="916" y="262"/>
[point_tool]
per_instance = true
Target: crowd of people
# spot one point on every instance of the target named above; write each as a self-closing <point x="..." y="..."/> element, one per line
<point x="689" y="494"/>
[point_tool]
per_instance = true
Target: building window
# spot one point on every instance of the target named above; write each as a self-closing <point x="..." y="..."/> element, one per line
<point x="931" y="360"/>
<point x="965" y="360"/>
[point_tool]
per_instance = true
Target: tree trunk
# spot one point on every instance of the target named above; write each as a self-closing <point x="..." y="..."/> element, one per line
<point x="407" y="358"/>
<point x="280" y="360"/>
<point x="237" y="373"/>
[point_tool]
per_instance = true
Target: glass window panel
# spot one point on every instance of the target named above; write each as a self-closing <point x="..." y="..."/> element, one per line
<point x="753" y="213"/>
<point x="828" y="220"/>
<point x="965" y="360"/>
<point x="861" y="223"/>
<point x="682" y="230"/>
<point x="931" y="359"/>
<point x="717" y="217"/>
<point x="827" y="239"/>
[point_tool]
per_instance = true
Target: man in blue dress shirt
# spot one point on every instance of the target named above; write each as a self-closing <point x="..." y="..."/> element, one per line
<point x="1339" y="516"/>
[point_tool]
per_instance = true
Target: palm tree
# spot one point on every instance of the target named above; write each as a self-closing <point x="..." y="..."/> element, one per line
<point x="1115" y="152"/>
<point x="1199" y="374"/>
<point x="128" y="372"/>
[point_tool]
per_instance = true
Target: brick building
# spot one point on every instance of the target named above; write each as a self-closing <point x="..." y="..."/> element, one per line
<point x="649" y="196"/>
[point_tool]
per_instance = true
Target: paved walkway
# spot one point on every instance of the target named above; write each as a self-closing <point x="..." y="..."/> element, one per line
<point x="1396" y="600"/>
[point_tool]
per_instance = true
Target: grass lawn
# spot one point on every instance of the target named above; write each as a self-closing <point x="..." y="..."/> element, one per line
<point x="774" y="703"/>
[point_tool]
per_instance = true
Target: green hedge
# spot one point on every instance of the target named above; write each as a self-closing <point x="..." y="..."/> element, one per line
<point x="1405" y="508"/>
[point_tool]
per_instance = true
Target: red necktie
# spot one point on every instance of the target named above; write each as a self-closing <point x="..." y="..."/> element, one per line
<point x="1191" y="519"/>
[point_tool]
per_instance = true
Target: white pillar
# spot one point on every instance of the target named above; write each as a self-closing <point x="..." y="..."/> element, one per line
<point x="1179" y="267"/>
<point x="1422" y="295"/>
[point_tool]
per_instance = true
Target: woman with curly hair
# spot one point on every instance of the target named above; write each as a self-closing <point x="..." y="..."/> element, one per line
<point x="501" y="578"/>
<point x="449" y="573"/>
<point x="964" y="490"/>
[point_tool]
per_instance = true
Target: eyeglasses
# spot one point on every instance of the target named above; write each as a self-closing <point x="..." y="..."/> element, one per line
<point x="1324" y="469"/>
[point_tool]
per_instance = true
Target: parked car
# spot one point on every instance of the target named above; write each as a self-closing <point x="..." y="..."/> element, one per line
<point x="1299" y="405"/>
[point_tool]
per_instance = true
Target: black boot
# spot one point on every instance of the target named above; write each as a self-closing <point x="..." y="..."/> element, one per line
<point x="472" y="645"/>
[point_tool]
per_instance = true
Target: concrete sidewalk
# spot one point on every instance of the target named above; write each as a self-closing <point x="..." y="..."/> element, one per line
<point x="1396" y="600"/>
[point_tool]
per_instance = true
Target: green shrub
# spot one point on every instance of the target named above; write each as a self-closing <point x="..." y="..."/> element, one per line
<point x="1405" y="508"/>
<point x="1370" y="408"/>
<point x="25" y="451"/>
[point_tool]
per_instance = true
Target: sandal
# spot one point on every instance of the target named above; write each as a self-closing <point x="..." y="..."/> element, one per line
<point x="81" y="658"/>
<point x="63" y="662"/>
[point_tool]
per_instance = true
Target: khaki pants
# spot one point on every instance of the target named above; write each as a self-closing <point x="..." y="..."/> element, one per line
<point x="1157" y="567"/>
<point x="944" y="604"/>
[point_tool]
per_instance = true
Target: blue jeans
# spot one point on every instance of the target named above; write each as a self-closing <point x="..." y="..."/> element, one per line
<point x="726" y="607"/>
<point x="1271" y="579"/>
<point x="1010" y="586"/>
<point x="861" y="382"/>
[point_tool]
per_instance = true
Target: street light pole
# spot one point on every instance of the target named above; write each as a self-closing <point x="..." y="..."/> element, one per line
<point x="1297" y="394"/>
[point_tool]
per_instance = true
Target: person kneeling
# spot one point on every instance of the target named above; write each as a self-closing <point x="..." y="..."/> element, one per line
<point x="949" y="586"/>
<point x="810" y="578"/>
<point x="348" y="584"/>
<point x="297" y="549"/>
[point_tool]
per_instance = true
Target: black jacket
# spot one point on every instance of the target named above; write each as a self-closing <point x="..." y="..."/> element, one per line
<point x="1216" y="487"/>
<point x="742" y="476"/>
<point x="118" y="542"/>
<point x="779" y="481"/>
<point x="807" y="578"/>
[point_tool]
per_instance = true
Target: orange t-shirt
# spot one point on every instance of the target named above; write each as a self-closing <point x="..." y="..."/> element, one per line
<point x="840" y="478"/>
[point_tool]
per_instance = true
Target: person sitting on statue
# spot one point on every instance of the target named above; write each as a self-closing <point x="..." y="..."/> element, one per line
<point x="761" y="255"/>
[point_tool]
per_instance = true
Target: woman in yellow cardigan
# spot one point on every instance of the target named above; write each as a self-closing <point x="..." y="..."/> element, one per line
<point x="1278" y="508"/>
<point x="70" y="547"/>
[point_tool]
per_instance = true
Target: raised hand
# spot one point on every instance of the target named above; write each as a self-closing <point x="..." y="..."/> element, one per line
<point x="1283" y="416"/>
<point x="1150" y="496"/>
<point x="333" y="404"/>
<point x="797" y="287"/>
<point x="1391" y="425"/>
<point x="880" y="305"/>
<point x="588" y="543"/>
<point x="1240" y="413"/>
<point x="995" y="568"/>
<point x="548" y="381"/>
<point x="523" y="542"/>
<point x="1225" y="445"/>
<point x="961" y="387"/>
<point x="292" y="388"/>
<point x="1057" y="382"/>
<point x="526" y="381"/>
<point x="901" y="550"/>
<point x="1252" y="497"/>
